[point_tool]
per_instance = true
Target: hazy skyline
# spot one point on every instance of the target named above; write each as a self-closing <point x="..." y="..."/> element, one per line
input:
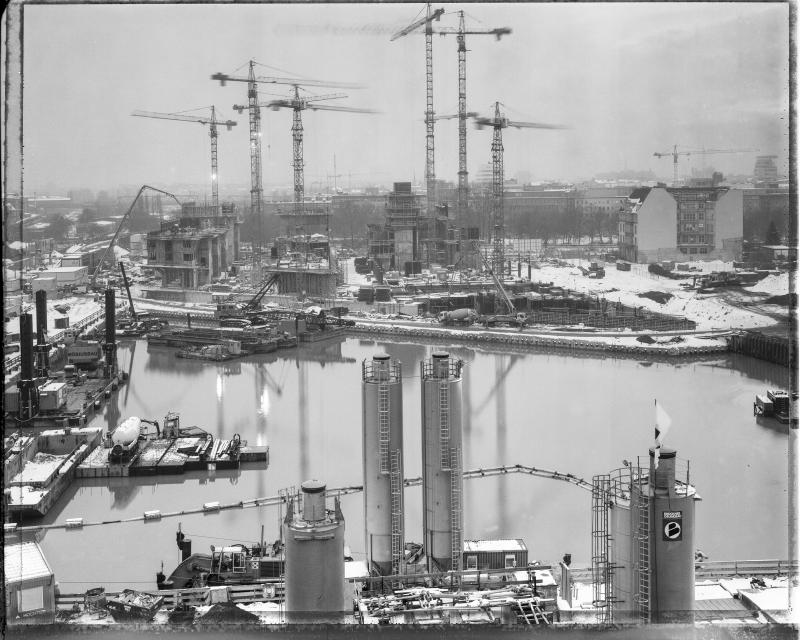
<point x="629" y="79"/>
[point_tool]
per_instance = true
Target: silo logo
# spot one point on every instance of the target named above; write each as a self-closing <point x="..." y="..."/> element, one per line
<point x="672" y="525"/>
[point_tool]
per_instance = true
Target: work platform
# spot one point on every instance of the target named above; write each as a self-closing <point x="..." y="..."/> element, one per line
<point x="172" y="456"/>
<point x="304" y="280"/>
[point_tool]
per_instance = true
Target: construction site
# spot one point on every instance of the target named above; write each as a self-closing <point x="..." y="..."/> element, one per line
<point x="471" y="343"/>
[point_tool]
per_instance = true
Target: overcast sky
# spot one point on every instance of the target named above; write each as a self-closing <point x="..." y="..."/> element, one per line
<point x="630" y="79"/>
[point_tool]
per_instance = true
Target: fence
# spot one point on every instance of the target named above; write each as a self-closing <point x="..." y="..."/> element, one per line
<point x="770" y="348"/>
<point x="260" y="592"/>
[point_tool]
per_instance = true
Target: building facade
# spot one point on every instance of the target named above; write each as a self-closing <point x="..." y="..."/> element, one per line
<point x="701" y="223"/>
<point x="202" y="245"/>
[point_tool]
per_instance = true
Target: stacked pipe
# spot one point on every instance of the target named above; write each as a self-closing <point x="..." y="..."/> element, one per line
<point x="28" y="398"/>
<point x="42" y="347"/>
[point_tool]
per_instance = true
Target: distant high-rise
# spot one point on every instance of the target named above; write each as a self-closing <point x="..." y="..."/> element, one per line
<point x="766" y="170"/>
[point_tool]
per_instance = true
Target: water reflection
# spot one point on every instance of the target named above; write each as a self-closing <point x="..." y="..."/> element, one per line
<point x="554" y="409"/>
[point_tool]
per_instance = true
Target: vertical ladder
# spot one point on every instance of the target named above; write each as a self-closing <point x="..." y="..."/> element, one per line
<point x="383" y="426"/>
<point x="643" y="554"/>
<point x="456" y="543"/>
<point x="600" y="566"/>
<point x="444" y="424"/>
<point x="396" y="484"/>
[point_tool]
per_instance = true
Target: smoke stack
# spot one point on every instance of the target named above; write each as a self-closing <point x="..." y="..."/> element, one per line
<point x="42" y="348"/>
<point x="41" y="316"/>
<point x="110" y="346"/>
<point x="28" y="404"/>
<point x="111" y="335"/>
<point x="26" y="346"/>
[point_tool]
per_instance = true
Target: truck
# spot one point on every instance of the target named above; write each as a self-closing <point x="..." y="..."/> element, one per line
<point x="458" y="316"/>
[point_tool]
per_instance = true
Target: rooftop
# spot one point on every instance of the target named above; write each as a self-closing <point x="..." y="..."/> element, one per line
<point x="24" y="562"/>
<point x="495" y="545"/>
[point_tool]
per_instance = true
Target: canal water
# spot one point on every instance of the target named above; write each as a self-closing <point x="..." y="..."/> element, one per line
<point x="573" y="413"/>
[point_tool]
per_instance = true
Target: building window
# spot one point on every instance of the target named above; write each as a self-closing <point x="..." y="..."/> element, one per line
<point x="703" y="249"/>
<point x="511" y="561"/>
<point x="30" y="599"/>
<point x="187" y="244"/>
<point x="188" y="257"/>
<point x="472" y="562"/>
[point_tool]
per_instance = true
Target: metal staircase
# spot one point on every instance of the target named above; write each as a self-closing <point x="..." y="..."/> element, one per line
<point x="444" y="424"/>
<point x="396" y="488"/>
<point x="383" y="421"/>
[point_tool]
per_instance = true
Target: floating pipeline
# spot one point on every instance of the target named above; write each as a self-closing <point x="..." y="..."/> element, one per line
<point x="531" y="340"/>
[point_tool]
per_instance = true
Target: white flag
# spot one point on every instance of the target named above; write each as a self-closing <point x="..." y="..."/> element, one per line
<point x="663" y="422"/>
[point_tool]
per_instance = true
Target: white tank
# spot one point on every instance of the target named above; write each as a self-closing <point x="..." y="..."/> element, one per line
<point x="314" y="539"/>
<point x="442" y="483"/>
<point x="382" y="458"/>
<point x="127" y="432"/>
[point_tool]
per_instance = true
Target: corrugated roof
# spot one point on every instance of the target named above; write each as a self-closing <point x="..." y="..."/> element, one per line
<point x="24" y="562"/>
<point x="494" y="545"/>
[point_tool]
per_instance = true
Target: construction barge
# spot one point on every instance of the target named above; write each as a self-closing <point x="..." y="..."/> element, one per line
<point x="38" y="469"/>
<point x="131" y="451"/>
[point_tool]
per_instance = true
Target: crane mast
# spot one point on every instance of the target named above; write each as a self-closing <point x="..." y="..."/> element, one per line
<point x="297" y="148"/>
<point x="212" y="132"/>
<point x="498" y="222"/>
<point x="212" y="123"/>
<point x="463" y="184"/>
<point x="430" y="173"/>
<point x="256" y="191"/>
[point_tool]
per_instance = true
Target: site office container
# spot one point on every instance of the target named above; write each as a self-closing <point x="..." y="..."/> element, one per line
<point x="30" y="586"/>
<point x="481" y="556"/>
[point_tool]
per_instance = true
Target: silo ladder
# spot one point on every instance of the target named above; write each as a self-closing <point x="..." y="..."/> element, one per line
<point x="643" y="550"/>
<point x="444" y="424"/>
<point x="456" y="518"/>
<point x="383" y="422"/>
<point x="396" y="487"/>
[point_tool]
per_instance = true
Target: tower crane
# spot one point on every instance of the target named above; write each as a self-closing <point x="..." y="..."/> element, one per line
<point x="212" y="122"/>
<point x="461" y="33"/>
<point x="499" y="122"/>
<point x="254" y="109"/>
<point x="298" y="105"/>
<point x="687" y="152"/>
<point x="430" y="173"/>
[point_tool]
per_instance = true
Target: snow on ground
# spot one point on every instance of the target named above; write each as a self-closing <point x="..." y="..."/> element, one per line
<point x="707" y="310"/>
<point x="79" y="308"/>
<point x="775" y="285"/>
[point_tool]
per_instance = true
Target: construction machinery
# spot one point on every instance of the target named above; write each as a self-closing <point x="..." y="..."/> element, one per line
<point x="498" y="122"/>
<point x="688" y="152"/>
<point x="212" y="122"/>
<point x="430" y="173"/>
<point x="141" y="322"/>
<point x="461" y="33"/>
<point x="96" y="271"/>
<point x="254" y="108"/>
<point x="298" y="105"/>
